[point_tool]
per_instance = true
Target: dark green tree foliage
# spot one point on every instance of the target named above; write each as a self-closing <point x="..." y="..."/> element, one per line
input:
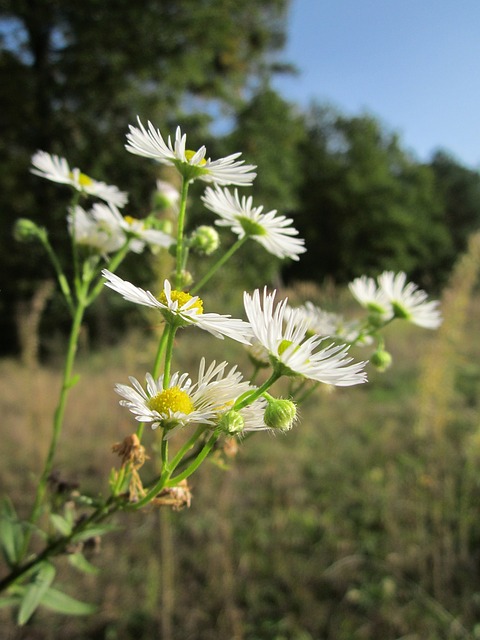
<point x="460" y="189"/>
<point x="269" y="132"/>
<point x="366" y="205"/>
<point x="73" y="75"/>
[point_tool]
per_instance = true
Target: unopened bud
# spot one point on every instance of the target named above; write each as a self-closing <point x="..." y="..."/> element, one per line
<point x="26" y="230"/>
<point x="381" y="360"/>
<point x="231" y="422"/>
<point x="165" y="196"/>
<point x="205" y="240"/>
<point x="280" y="414"/>
<point x="185" y="280"/>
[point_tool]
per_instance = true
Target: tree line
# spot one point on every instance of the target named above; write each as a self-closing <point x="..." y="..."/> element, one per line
<point x="72" y="77"/>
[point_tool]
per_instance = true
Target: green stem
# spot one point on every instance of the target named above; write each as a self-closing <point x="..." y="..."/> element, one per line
<point x="67" y="383"/>
<point x="171" y="482"/>
<point x="62" y="280"/>
<point x="220" y="262"/>
<point x="112" y="266"/>
<point x="160" y="351"/>
<point x="180" y="233"/>
<point x="59" y="545"/>
<point x="307" y="393"/>
<point x="171" y="330"/>
<point x="248" y="399"/>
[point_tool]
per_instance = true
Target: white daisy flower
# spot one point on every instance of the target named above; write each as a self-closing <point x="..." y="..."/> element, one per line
<point x="98" y="229"/>
<point x="291" y="351"/>
<point x="366" y="292"/>
<point x="191" y="164"/>
<point x="183" y="402"/>
<point x="408" y="301"/>
<point x="57" y="169"/>
<point x="328" y="324"/>
<point x="104" y="229"/>
<point x="273" y="232"/>
<point x="393" y="297"/>
<point x="143" y="235"/>
<point x="182" y="309"/>
<point x="323" y="323"/>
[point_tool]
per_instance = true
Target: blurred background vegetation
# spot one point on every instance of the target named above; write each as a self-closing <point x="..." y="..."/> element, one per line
<point x="363" y="523"/>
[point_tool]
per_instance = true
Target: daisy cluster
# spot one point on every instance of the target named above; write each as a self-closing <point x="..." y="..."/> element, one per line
<point x="305" y="343"/>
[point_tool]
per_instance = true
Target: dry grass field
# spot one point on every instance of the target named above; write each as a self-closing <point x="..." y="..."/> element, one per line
<point x="362" y="523"/>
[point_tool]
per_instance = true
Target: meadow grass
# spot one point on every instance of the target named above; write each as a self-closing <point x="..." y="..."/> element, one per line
<point x="360" y="523"/>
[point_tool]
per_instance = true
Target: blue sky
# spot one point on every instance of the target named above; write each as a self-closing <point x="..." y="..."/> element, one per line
<point x="414" y="64"/>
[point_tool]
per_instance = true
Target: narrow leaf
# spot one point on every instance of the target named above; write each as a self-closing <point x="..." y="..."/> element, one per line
<point x="9" y="601"/>
<point x="11" y="533"/>
<point x="79" y="561"/>
<point x="60" y="524"/>
<point x="61" y="603"/>
<point x="92" y="532"/>
<point x="35" y="592"/>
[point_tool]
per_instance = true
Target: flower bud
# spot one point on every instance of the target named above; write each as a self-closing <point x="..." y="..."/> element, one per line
<point x="381" y="360"/>
<point x="280" y="414"/>
<point x="186" y="279"/>
<point x="231" y="422"/>
<point x="26" y="230"/>
<point x="165" y="196"/>
<point x="204" y="240"/>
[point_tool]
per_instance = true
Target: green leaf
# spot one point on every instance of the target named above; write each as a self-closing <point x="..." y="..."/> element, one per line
<point x="9" y="601"/>
<point x="62" y="603"/>
<point x="35" y="592"/>
<point x="79" y="561"/>
<point x="92" y="532"/>
<point x="60" y="524"/>
<point x="11" y="533"/>
<point x="73" y="381"/>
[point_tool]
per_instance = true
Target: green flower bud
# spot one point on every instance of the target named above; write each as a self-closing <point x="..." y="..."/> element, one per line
<point x="231" y="422"/>
<point x="381" y="360"/>
<point x="165" y="196"/>
<point x="186" y="279"/>
<point x="280" y="414"/>
<point x="26" y="230"/>
<point x="204" y="240"/>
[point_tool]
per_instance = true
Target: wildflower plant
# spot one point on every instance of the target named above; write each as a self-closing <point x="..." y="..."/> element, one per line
<point x="191" y="413"/>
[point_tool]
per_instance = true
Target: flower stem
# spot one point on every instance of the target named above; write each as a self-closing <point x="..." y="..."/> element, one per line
<point x="250" y="397"/>
<point x="67" y="383"/>
<point x="112" y="266"/>
<point x="180" y="233"/>
<point x="220" y="262"/>
<point x="171" y="330"/>
<point x="171" y="482"/>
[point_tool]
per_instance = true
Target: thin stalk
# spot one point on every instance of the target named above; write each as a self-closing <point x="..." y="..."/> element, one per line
<point x="170" y="331"/>
<point x="160" y="351"/>
<point x="171" y="482"/>
<point x="112" y="266"/>
<point x="180" y="234"/>
<point x="62" y="280"/>
<point x="248" y="399"/>
<point x="58" y="417"/>
<point x="220" y="262"/>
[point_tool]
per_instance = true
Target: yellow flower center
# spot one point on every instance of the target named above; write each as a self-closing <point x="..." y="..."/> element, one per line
<point x="173" y="399"/>
<point x="189" y="155"/>
<point x="283" y="346"/>
<point x="83" y="180"/>
<point x="182" y="297"/>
